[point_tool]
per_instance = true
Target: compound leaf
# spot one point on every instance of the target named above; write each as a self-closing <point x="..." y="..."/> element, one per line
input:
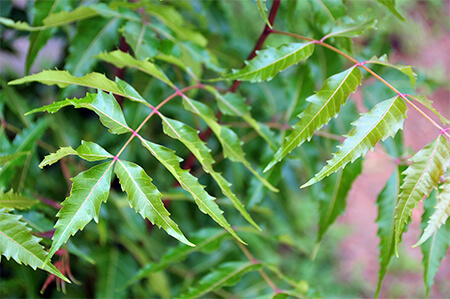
<point x="271" y="61"/>
<point x="17" y="242"/>
<point x="435" y="248"/>
<point x="11" y="200"/>
<point x="189" y="137"/>
<point x="188" y="182"/>
<point x="325" y="104"/>
<point x="232" y="146"/>
<point x="405" y="69"/>
<point x="89" y="189"/>
<point x="382" y="121"/>
<point x="422" y="175"/>
<point x="440" y="214"/>
<point x="227" y="274"/>
<point x="145" y="198"/>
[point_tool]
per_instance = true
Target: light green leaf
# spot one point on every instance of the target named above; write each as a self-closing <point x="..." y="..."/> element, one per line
<point x="145" y="198"/>
<point x="11" y="200"/>
<point x="141" y="39"/>
<point x="435" y="248"/>
<point x="121" y="59"/>
<point x="17" y="242"/>
<point x="390" y="4"/>
<point x="66" y="17"/>
<point x="405" y="69"/>
<point x="227" y="274"/>
<point x="103" y="104"/>
<point x="336" y="189"/>
<point x="129" y="90"/>
<point x="271" y="61"/>
<point x="189" y="137"/>
<point x="89" y="189"/>
<point x="386" y="202"/>
<point x="440" y="214"/>
<point x="382" y="121"/>
<point x="19" y="25"/>
<point x="188" y="182"/>
<point x="231" y="145"/>
<point x="233" y="104"/>
<point x="325" y="104"/>
<point x="422" y="175"/>
<point x="91" y="37"/>
<point x="350" y="28"/>
<point x="208" y="239"/>
<point x="262" y="8"/>
<point x="429" y="104"/>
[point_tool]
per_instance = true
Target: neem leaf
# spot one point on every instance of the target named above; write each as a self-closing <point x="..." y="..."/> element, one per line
<point x="405" y="69"/>
<point x="267" y="63"/>
<point x="422" y="175"/>
<point x="145" y="198"/>
<point x="11" y="200"/>
<point x="89" y="189"/>
<point x="188" y="182"/>
<point x="390" y="4"/>
<point x="347" y="27"/>
<point x="429" y="104"/>
<point x="325" y="104"/>
<point x="141" y="39"/>
<point x="66" y="17"/>
<point x="262" y="8"/>
<point x="189" y="137"/>
<point x="17" y="242"/>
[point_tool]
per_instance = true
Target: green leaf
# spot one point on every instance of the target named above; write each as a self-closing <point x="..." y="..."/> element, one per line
<point x="55" y="157"/>
<point x="329" y="10"/>
<point x="386" y="202"/>
<point x="234" y="105"/>
<point x="435" y="248"/>
<point x="188" y="182"/>
<point x="141" y="39"/>
<point x="232" y="146"/>
<point x="405" y="69"/>
<point x="325" y="104"/>
<point x="336" y="189"/>
<point x="66" y="17"/>
<point x="429" y="104"/>
<point x="189" y="137"/>
<point x="382" y="121"/>
<point x="11" y="200"/>
<point x="129" y="90"/>
<point x="390" y="4"/>
<point x="262" y="8"/>
<point x="440" y="214"/>
<point x="103" y="104"/>
<point x="145" y="198"/>
<point x="271" y="61"/>
<point x="422" y="175"/>
<point x="5" y="159"/>
<point x="17" y="242"/>
<point x="209" y="238"/>
<point x="91" y="37"/>
<point x="121" y="59"/>
<point x="227" y="274"/>
<point x="350" y="28"/>
<point x="19" y="25"/>
<point x="89" y="189"/>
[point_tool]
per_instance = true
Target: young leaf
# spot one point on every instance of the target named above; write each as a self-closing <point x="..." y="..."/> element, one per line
<point x="189" y="137"/>
<point x="188" y="182"/>
<point x="103" y="104"/>
<point x="390" y="4"/>
<point x="227" y="274"/>
<point x="11" y="200"/>
<point x="384" y="120"/>
<point x="336" y="190"/>
<point x="91" y="37"/>
<point x="145" y="198"/>
<point x="441" y="212"/>
<point x="350" y="28"/>
<point x="271" y="61"/>
<point x="429" y="104"/>
<point x="422" y="175"/>
<point x="325" y="104"/>
<point x="386" y="202"/>
<point x="435" y="248"/>
<point x="233" y="104"/>
<point x="89" y="189"/>
<point x="405" y="69"/>
<point x="121" y="59"/>
<point x="232" y="146"/>
<point x="17" y="242"/>
<point x="262" y="8"/>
